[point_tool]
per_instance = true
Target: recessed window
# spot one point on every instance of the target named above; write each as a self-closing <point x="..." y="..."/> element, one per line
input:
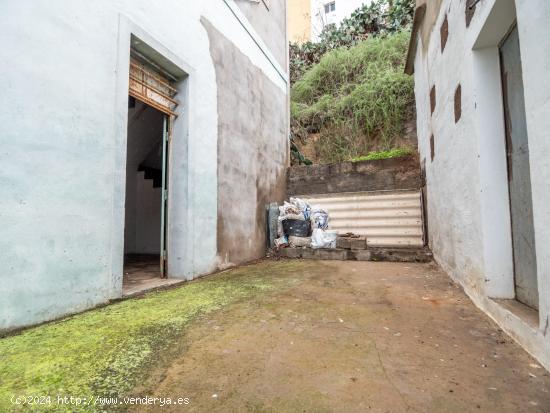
<point x="444" y="33"/>
<point x="330" y="7"/>
<point x="458" y="103"/>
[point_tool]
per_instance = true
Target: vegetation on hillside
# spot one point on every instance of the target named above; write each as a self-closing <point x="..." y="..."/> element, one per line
<point x="349" y="93"/>
<point x="356" y="99"/>
<point x="380" y="17"/>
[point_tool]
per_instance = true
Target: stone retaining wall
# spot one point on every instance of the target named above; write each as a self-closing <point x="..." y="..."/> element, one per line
<point x="380" y="175"/>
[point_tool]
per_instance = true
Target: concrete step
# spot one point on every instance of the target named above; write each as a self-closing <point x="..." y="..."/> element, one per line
<point x="369" y="254"/>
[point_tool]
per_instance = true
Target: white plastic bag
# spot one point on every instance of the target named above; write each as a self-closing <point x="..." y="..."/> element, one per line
<point x="319" y="217"/>
<point x="323" y="239"/>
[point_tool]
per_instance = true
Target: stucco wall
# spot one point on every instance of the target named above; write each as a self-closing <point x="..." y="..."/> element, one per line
<point x="468" y="208"/>
<point x="271" y="24"/>
<point x="252" y="150"/>
<point x="63" y="132"/>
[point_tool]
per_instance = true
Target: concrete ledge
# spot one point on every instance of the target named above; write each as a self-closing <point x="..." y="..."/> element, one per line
<point x="370" y="254"/>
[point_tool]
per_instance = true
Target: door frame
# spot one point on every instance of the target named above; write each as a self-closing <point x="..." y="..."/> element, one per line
<point x="166" y="140"/>
<point x="509" y="165"/>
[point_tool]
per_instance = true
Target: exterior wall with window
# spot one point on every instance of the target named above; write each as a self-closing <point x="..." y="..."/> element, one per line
<point x="65" y="78"/>
<point x="325" y="12"/>
<point x="461" y="137"/>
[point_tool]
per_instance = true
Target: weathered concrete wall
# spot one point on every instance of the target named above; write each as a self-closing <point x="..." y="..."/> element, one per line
<point x="380" y="175"/>
<point x="270" y="23"/>
<point x="468" y="207"/>
<point x="63" y="129"/>
<point x="252" y="150"/>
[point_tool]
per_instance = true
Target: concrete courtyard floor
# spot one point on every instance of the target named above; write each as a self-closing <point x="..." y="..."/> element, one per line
<point x="352" y="337"/>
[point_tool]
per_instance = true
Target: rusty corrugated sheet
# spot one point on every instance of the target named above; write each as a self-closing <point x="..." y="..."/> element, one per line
<point x="385" y="218"/>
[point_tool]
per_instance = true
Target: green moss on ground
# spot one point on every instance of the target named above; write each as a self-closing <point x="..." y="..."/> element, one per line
<point x="106" y="352"/>
<point x="357" y="98"/>
<point x="393" y="153"/>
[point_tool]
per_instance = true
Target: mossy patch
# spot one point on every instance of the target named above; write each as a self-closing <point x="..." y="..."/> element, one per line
<point x="393" y="153"/>
<point x="106" y="352"/>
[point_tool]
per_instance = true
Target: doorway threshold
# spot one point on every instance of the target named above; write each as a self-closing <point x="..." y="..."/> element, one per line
<point x="527" y="314"/>
<point x="142" y="274"/>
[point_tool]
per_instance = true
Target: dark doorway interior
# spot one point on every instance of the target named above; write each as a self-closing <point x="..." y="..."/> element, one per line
<point x="144" y="164"/>
<point x="519" y="175"/>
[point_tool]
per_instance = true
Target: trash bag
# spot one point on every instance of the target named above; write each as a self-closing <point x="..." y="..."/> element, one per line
<point x="323" y="239"/>
<point x="302" y="205"/>
<point x="319" y="217"/>
<point x="288" y="208"/>
<point x="296" y="228"/>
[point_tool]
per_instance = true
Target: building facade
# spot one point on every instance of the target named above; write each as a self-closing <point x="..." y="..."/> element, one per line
<point x="299" y="21"/>
<point x="128" y="129"/>
<point x="483" y="98"/>
<point x="324" y="12"/>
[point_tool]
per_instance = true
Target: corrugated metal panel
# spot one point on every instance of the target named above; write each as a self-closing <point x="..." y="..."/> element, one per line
<point x="385" y="218"/>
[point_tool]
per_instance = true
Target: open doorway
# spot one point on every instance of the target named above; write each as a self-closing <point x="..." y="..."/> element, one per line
<point x="144" y="166"/>
<point x="150" y="114"/>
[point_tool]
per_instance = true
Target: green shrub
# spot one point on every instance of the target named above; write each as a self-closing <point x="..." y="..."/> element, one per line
<point x="380" y="17"/>
<point x="357" y="98"/>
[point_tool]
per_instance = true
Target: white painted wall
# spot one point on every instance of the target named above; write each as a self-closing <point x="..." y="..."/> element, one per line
<point x="64" y="85"/>
<point x="468" y="212"/>
<point x="319" y="19"/>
